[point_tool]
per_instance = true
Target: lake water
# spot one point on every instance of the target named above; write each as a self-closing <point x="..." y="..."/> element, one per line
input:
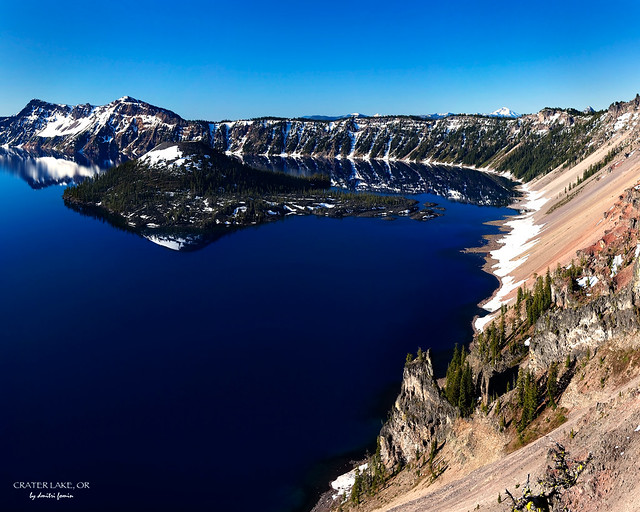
<point x="241" y="376"/>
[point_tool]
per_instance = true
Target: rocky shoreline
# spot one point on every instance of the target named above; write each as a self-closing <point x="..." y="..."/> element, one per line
<point x="432" y="450"/>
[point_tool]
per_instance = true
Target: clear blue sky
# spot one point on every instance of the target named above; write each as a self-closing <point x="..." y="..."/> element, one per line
<point x="226" y="60"/>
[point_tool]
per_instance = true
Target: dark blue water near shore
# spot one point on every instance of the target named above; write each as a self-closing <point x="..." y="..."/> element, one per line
<point x="219" y="379"/>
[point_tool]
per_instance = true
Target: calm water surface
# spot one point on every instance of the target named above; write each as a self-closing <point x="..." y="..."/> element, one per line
<point x="238" y="377"/>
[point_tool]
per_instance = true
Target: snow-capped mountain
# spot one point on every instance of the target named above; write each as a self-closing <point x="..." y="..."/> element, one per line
<point x="504" y="112"/>
<point x="439" y="115"/>
<point x="125" y="128"/>
<point x="129" y="128"/>
<point x="333" y="118"/>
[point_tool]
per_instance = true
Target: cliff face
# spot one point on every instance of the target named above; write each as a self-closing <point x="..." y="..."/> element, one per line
<point x="419" y="416"/>
<point x="575" y="330"/>
<point x="128" y="128"/>
<point x="123" y="129"/>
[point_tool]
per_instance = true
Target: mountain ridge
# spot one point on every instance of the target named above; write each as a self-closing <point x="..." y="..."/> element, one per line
<point x="127" y="128"/>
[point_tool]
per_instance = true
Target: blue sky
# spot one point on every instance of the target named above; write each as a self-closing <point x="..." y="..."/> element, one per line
<point x="227" y="60"/>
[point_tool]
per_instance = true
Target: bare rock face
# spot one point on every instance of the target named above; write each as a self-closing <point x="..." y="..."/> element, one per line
<point x="573" y="331"/>
<point x="127" y="128"/>
<point x="547" y="115"/>
<point x="123" y="129"/>
<point x="419" y="415"/>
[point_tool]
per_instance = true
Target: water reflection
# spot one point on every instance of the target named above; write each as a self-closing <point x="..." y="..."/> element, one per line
<point x="43" y="170"/>
<point x="455" y="183"/>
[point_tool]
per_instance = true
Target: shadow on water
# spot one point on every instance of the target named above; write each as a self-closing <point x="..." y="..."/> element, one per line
<point x="455" y="183"/>
<point x="175" y="239"/>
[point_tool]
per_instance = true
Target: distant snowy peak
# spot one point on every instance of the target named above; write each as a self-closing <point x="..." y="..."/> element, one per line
<point x="439" y="115"/>
<point x="588" y="110"/>
<point x="504" y="112"/>
<point x="334" y="118"/>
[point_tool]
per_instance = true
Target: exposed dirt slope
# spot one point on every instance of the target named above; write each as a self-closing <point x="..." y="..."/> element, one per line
<point x="603" y="421"/>
<point x="574" y="219"/>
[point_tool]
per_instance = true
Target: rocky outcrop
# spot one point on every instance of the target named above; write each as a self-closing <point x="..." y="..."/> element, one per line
<point x="552" y="115"/>
<point x="573" y="331"/>
<point x="123" y="129"/>
<point x="419" y="416"/>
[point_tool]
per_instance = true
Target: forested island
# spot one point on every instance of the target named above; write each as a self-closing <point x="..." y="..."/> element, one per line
<point x="190" y="186"/>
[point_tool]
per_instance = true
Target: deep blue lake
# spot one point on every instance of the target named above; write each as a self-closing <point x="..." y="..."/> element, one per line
<point x="242" y="376"/>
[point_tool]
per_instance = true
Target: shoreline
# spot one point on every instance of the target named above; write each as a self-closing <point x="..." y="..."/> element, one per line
<point x="505" y="251"/>
<point x="343" y="482"/>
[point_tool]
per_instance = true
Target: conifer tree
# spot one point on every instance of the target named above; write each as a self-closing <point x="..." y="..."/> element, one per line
<point x="459" y="382"/>
<point x="552" y="384"/>
<point x="520" y="386"/>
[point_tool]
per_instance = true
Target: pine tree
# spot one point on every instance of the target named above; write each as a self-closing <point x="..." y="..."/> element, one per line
<point x="356" y="490"/>
<point x="547" y="290"/>
<point x="552" y="384"/>
<point x="519" y="299"/>
<point x="465" y="399"/>
<point x="530" y="400"/>
<point x="520" y="386"/>
<point x="452" y="389"/>
<point x="459" y="382"/>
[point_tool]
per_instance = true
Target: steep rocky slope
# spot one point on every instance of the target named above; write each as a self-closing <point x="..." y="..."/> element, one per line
<point x="127" y="128"/>
<point x="123" y="129"/>
<point x="440" y="461"/>
<point x="571" y="207"/>
<point x="578" y="355"/>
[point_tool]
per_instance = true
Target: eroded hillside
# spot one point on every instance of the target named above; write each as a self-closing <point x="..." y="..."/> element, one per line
<point x="555" y="377"/>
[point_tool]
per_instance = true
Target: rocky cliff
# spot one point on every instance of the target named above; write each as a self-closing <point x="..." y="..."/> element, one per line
<point x="574" y="331"/>
<point x="569" y="377"/>
<point x="419" y="416"/>
<point x="123" y="129"/>
<point x="127" y="128"/>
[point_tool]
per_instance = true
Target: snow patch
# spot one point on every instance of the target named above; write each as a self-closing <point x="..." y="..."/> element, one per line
<point x="62" y="125"/>
<point x="173" y="243"/>
<point x="589" y="281"/>
<point x="481" y="322"/>
<point x="621" y="122"/>
<point x="156" y="156"/>
<point x="454" y="194"/>
<point x="615" y="265"/>
<point x="343" y="484"/>
<point x="515" y="243"/>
